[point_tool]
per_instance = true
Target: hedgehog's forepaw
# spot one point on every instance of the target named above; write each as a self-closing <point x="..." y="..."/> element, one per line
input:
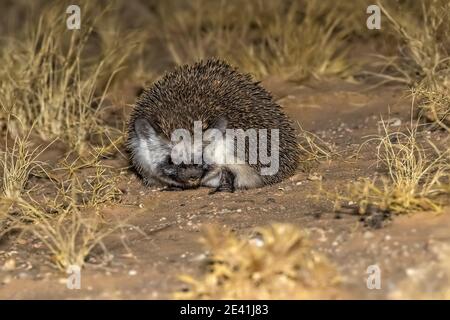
<point x="223" y="189"/>
<point x="226" y="183"/>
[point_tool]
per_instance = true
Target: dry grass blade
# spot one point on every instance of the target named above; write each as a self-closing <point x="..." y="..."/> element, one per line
<point x="87" y="184"/>
<point x="17" y="163"/>
<point x="434" y="101"/>
<point x="313" y="148"/>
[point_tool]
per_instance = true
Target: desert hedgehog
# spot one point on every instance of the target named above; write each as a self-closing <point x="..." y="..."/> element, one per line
<point x="210" y="99"/>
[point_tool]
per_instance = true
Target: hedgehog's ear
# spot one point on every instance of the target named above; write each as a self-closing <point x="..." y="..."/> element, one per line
<point x="144" y="129"/>
<point x="220" y="124"/>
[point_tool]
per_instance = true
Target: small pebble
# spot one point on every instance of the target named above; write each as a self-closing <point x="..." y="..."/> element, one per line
<point x="7" y="279"/>
<point x="9" y="265"/>
<point x="368" y="235"/>
<point x="315" y="177"/>
<point x="132" y="272"/>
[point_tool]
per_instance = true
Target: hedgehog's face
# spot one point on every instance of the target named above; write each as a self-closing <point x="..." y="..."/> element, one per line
<point x="170" y="163"/>
<point x="182" y="175"/>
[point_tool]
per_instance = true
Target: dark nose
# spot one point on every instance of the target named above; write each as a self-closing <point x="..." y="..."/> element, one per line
<point x="193" y="175"/>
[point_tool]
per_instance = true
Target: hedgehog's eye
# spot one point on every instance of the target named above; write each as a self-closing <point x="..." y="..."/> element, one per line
<point x="169" y="160"/>
<point x="205" y="143"/>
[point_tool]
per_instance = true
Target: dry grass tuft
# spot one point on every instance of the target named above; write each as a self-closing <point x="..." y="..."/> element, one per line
<point x="313" y="149"/>
<point x="408" y="162"/>
<point x="415" y="176"/>
<point x="279" y="264"/>
<point x="70" y="235"/>
<point x="422" y="31"/>
<point x="70" y="224"/>
<point x="434" y="101"/>
<point x="379" y="195"/>
<point x="17" y="163"/>
<point x="99" y="184"/>
<point x="53" y="81"/>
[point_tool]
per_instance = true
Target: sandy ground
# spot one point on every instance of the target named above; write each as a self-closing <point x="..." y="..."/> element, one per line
<point x="339" y="112"/>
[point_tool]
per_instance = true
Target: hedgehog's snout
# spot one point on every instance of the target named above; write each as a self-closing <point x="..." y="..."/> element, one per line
<point x="188" y="175"/>
<point x="192" y="176"/>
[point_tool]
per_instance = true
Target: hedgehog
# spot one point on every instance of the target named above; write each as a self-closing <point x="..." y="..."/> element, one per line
<point x="210" y="99"/>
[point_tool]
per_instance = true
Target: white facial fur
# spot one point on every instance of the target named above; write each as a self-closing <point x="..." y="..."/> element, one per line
<point x="148" y="151"/>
